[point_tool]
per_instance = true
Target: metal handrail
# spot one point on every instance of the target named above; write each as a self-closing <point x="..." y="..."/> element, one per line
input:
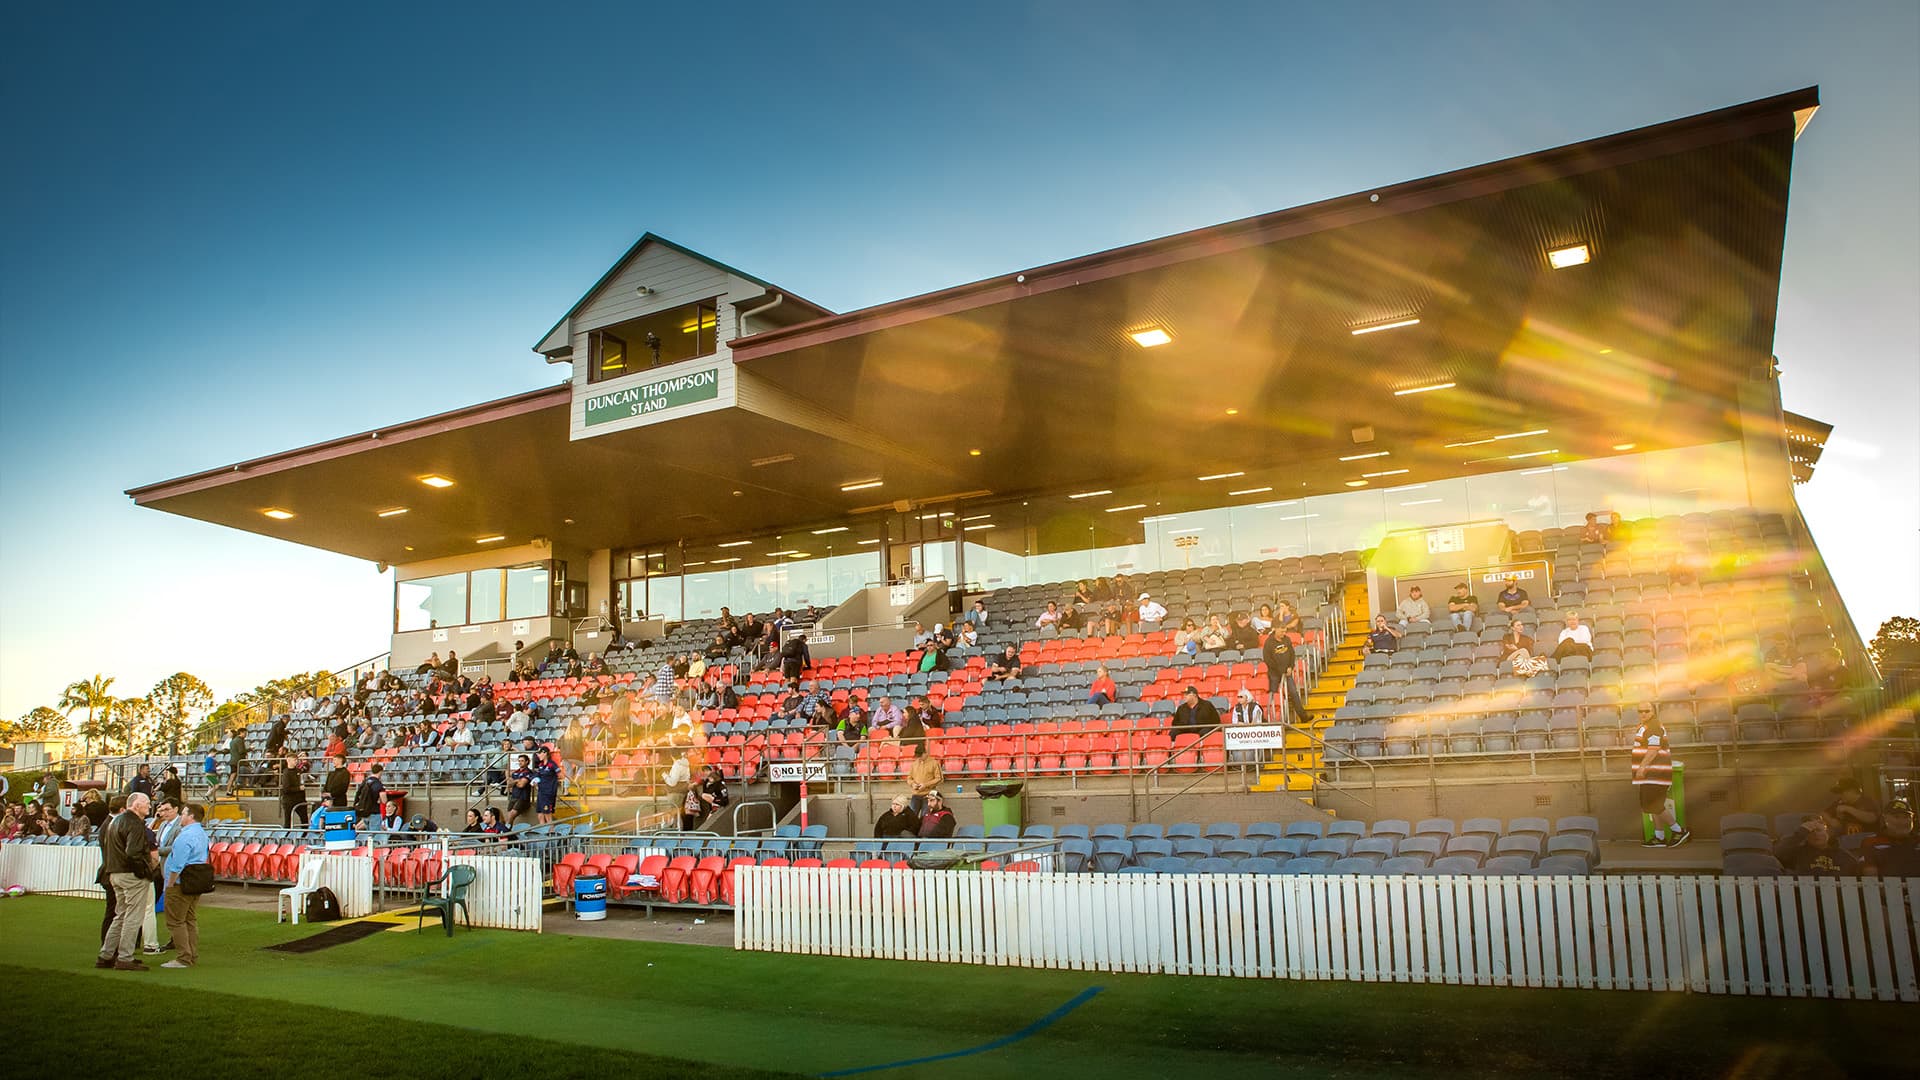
<point x="1286" y="768"/>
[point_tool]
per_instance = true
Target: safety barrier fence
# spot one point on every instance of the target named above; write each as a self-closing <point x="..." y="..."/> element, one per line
<point x="506" y="891"/>
<point x="72" y="870"/>
<point x="1796" y="937"/>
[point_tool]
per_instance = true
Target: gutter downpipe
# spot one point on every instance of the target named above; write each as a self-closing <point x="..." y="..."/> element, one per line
<point x="739" y="317"/>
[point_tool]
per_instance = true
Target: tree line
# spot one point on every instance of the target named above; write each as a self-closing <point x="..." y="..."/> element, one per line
<point x="178" y="712"/>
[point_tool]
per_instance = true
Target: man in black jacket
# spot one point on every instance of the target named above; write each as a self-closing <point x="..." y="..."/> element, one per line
<point x="1195" y="714"/>
<point x="898" y="821"/>
<point x="127" y="861"/>
<point x="339" y="780"/>
<point x="277" y="736"/>
<point x="937" y="823"/>
<point x="293" y="793"/>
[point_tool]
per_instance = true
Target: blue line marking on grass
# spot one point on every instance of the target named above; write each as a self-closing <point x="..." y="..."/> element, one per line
<point x="1034" y="1028"/>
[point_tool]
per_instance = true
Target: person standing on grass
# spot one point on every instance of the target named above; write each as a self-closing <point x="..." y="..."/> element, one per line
<point x="1653" y="779"/>
<point x="188" y="848"/>
<point x="113" y="810"/>
<point x="128" y="860"/>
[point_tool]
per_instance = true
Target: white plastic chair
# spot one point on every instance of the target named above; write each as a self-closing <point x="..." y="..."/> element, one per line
<point x="292" y="896"/>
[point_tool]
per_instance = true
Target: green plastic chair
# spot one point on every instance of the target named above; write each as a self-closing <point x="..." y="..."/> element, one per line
<point x="457" y="879"/>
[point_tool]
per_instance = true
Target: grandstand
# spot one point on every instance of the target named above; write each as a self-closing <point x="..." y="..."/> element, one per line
<point x="1426" y="383"/>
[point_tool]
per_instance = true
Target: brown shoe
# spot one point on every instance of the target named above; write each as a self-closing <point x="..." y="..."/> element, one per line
<point x="105" y="962"/>
<point x="130" y="965"/>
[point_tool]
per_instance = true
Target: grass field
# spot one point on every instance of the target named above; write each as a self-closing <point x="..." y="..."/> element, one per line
<point x="495" y="1003"/>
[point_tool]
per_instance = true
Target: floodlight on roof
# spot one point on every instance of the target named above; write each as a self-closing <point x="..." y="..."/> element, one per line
<point x="395" y="512"/>
<point x="1150" y="337"/>
<point x="435" y="480"/>
<point x="861" y="485"/>
<point x="1363" y="457"/>
<point x="277" y="514"/>
<point x="1571" y="255"/>
<point x="1377" y="327"/>
<point x="1429" y="388"/>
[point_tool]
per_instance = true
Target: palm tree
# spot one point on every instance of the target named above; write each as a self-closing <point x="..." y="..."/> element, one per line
<point x="90" y="695"/>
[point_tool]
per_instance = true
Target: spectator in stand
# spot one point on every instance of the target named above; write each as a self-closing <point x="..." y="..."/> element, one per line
<point x="853" y="726"/>
<point x="1151" y="613"/>
<point x="596" y="665"/>
<point x="127" y="864"/>
<point x="1463" y="608"/>
<point x="977" y="614"/>
<point x="1196" y="715"/>
<point x="1006" y="666"/>
<point x="462" y="736"/>
<point x="1513" y="599"/>
<point x="923" y="776"/>
<point x="1894" y="851"/>
<point x="1072" y="620"/>
<point x="1245" y="709"/>
<point x="1186" y="640"/>
<point x="886" y="715"/>
<point x="718" y="649"/>
<point x="519" y="720"/>
<point x="546" y="784"/>
<point x="519" y="788"/>
<point x="1853" y="810"/>
<point x="793" y="655"/>
<point x="937" y="823"/>
<point x="367" y="739"/>
<point x="1278" y="654"/>
<point x="277" y="736"/>
<point x="338" y="780"/>
<point x="1595" y="532"/>
<point x="491" y="823"/>
<point x="472" y="823"/>
<point x="1214" y="638"/>
<point x="94" y="807"/>
<point x="1242" y="636"/>
<point x="1288" y="622"/>
<point x="432" y="664"/>
<point x="1809" y="851"/>
<point x="1103" y="691"/>
<point x="921" y="636"/>
<point x="1385" y="637"/>
<point x="1413" y="608"/>
<point x="1516" y="650"/>
<point x="1263" y="619"/>
<point x="1575" y="639"/>
<point x="968" y="638"/>
<point x="1652" y="772"/>
<point x="169" y="787"/>
<point x="1085" y="593"/>
<point x="898" y="821"/>
<point x="1049" y="620"/>
<point x="1784" y="665"/>
<point x="371" y="793"/>
<point x="944" y="639"/>
<point x="713" y="793"/>
<point x="293" y="793"/>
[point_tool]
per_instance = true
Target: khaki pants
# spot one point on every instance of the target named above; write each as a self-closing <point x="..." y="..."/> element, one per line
<point x="132" y="905"/>
<point x="183" y="924"/>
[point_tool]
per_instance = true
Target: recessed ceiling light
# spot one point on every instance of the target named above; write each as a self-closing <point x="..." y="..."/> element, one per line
<point x="490" y="539"/>
<point x="1233" y="412"/>
<point x="1530" y="453"/>
<point x="1624" y="446"/>
<point x="1090" y="494"/>
<point x="860" y="485"/>
<point x="1150" y="337"/>
<point x="395" y="512"/>
<point x="1377" y="327"/>
<point x="728" y="559"/>
<point x="1251" y="491"/>
<point x="686" y="565"/>
<point x="976" y="528"/>
<point x="931" y="517"/>
<point x="736" y="543"/>
<point x="1299" y="517"/>
<point x="1421" y="502"/>
<point x="1497" y="438"/>
<point x="1571" y="255"/>
<point x="977" y="517"/>
<point x="799" y="555"/>
<point x="779" y="554"/>
<point x="1221" y="476"/>
<point x="1363" y="457"/>
<point x="875" y="540"/>
<point x="975" y="452"/>
<point x="277" y="514"/>
<point x="1423" y="389"/>
<point x="835" y="529"/>
<point x="409" y="549"/>
<point x="1389" y="472"/>
<point x="435" y="480"/>
<point x="1129" y="506"/>
<point x="1357" y="483"/>
<point x="1543" y="472"/>
<point x="775" y="459"/>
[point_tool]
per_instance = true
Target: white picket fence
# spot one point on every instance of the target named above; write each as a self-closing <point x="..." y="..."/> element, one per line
<point x="506" y="891"/>
<point x="73" y="871"/>
<point x="1778" y="937"/>
<point x="349" y="876"/>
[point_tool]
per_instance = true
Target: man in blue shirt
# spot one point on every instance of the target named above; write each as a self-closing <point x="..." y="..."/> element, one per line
<point x="188" y="847"/>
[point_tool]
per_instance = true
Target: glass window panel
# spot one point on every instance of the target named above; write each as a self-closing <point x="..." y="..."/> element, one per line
<point x="1696" y="478"/>
<point x="850" y="572"/>
<point x="489" y="596"/>
<point x="1436" y="502"/>
<point x="426" y="603"/>
<point x="529" y="588"/>
<point x="1524" y="498"/>
<point x="706" y="594"/>
<point x="1349" y="521"/>
<point x="992" y="568"/>
<point x="1616" y="484"/>
<point x="805" y="583"/>
<point x="1273" y="530"/>
<point x="664" y="597"/>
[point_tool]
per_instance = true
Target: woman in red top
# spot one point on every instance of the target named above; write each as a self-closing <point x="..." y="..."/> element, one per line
<point x="1103" y="691"/>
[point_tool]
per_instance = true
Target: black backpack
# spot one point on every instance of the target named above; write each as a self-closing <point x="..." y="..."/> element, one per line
<point x="322" y="905"/>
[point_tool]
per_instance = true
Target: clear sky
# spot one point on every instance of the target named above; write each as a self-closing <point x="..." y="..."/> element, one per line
<point x="232" y="232"/>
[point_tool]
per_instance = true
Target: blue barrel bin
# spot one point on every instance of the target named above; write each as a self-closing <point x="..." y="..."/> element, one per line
<point x="590" y="898"/>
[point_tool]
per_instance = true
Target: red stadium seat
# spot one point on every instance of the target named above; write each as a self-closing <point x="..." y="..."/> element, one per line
<point x="675" y="883"/>
<point x="704" y="885"/>
<point x="566" y="870"/>
<point x="653" y="866"/>
<point x="726" y="878"/>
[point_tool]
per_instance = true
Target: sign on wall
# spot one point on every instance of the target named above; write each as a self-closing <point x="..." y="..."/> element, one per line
<point x="1255" y="736"/>
<point x="656" y="398"/>
<point x="789" y="771"/>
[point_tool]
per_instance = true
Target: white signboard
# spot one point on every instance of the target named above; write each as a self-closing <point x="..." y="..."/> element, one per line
<point x="439" y="635"/>
<point x="789" y="771"/>
<point x="1444" y="541"/>
<point x="1255" y="736"/>
<point x="900" y="595"/>
<point x="522" y="627"/>
<point x="1496" y="577"/>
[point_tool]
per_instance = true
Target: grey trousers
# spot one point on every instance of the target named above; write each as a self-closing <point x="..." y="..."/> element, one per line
<point x="132" y="903"/>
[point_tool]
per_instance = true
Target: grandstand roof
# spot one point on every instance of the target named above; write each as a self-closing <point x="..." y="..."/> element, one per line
<point x="1644" y="344"/>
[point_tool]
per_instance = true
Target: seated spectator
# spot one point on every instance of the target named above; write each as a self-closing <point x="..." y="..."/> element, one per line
<point x="1214" y="637"/>
<point x="1463" y="608"/>
<point x="1111" y="619"/>
<point x="921" y="637"/>
<point x="898" y="822"/>
<point x="886" y="715"/>
<point x="1263" y="619"/>
<point x="1005" y="666"/>
<point x="1242" y="635"/>
<point x="491" y="823"/>
<point x="1196" y="715"/>
<point x="574" y="668"/>
<point x="1103" y="691"/>
<point x="1595" y="532"/>
<point x="696" y="666"/>
<point x="1853" y="811"/>
<point x="1186" y="640"/>
<point x="596" y="664"/>
<point x="1288" y="623"/>
<point x="462" y="735"/>
<point x="854" y="725"/>
<point x="1083" y="592"/>
<point x="428" y="666"/>
<point x="519" y="720"/>
<point x="1151" y="613"/>
<point x="1413" y="608"/>
<point x="1245" y="709"/>
<point x="977" y="615"/>
<point x="472" y="823"/>
<point x="1784" y="666"/>
<point x="1809" y="851"/>
<point x="1516" y="650"/>
<point x="1576" y="639"/>
<point x="1513" y="599"/>
<point x="1072" y="620"/>
<point x="1385" y="637"/>
<point x="934" y="658"/>
<point x="937" y="823"/>
<point x="1049" y="620"/>
<point x="368" y="739"/>
<point x="1894" y="851"/>
<point x="967" y="639"/>
<point x="943" y="638"/>
<point x="789" y="707"/>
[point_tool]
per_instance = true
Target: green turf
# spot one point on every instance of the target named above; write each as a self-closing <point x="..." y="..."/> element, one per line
<point x="738" y="1011"/>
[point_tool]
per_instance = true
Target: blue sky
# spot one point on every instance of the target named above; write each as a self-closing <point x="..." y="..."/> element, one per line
<point x="231" y="232"/>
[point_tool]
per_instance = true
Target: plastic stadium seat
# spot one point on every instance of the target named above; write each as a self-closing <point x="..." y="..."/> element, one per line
<point x="1377" y="848"/>
<point x="1403" y="865"/>
<point x="1735" y="822"/>
<point x="1508" y="864"/>
<point x="565" y="871"/>
<point x="1312" y="830"/>
<point x="1305" y="865"/>
<point x="1746" y="840"/>
<point x="1111" y="856"/>
<point x="1185" y="830"/>
<point x="1576" y="844"/>
<point x="1522" y="845"/>
<point x="1258" y="865"/>
<point x="704" y="884"/>
<point x="1751" y="864"/>
<point x="1482" y="826"/>
<point x="1394" y="827"/>
<point x="1265" y="830"/>
<point x="1193" y="850"/>
<point x="1076" y="855"/>
<point x="1353" y="829"/>
<point x="1562" y="864"/>
<point x="1331" y="847"/>
<point x="1353" y="866"/>
<point x="1443" y="828"/>
<point x="675" y="882"/>
<point x="1238" y="851"/>
<point x="1581" y="824"/>
<point x="1454" y="864"/>
<point x="1284" y="847"/>
<point x="1475" y="847"/>
<point x="1529" y="826"/>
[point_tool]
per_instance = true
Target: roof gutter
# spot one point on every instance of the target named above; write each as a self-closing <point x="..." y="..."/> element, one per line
<point x="739" y="316"/>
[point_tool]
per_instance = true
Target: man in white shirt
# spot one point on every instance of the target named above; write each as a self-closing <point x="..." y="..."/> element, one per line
<point x="887" y="716"/>
<point x="1152" y="614"/>
<point x="519" y="721"/>
<point x="462" y="735"/>
<point x="1575" y="639"/>
<point x="1414" y="608"/>
<point x="1049" y="620"/>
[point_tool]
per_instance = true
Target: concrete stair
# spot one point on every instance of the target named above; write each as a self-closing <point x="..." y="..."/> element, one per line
<point x="1302" y="756"/>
